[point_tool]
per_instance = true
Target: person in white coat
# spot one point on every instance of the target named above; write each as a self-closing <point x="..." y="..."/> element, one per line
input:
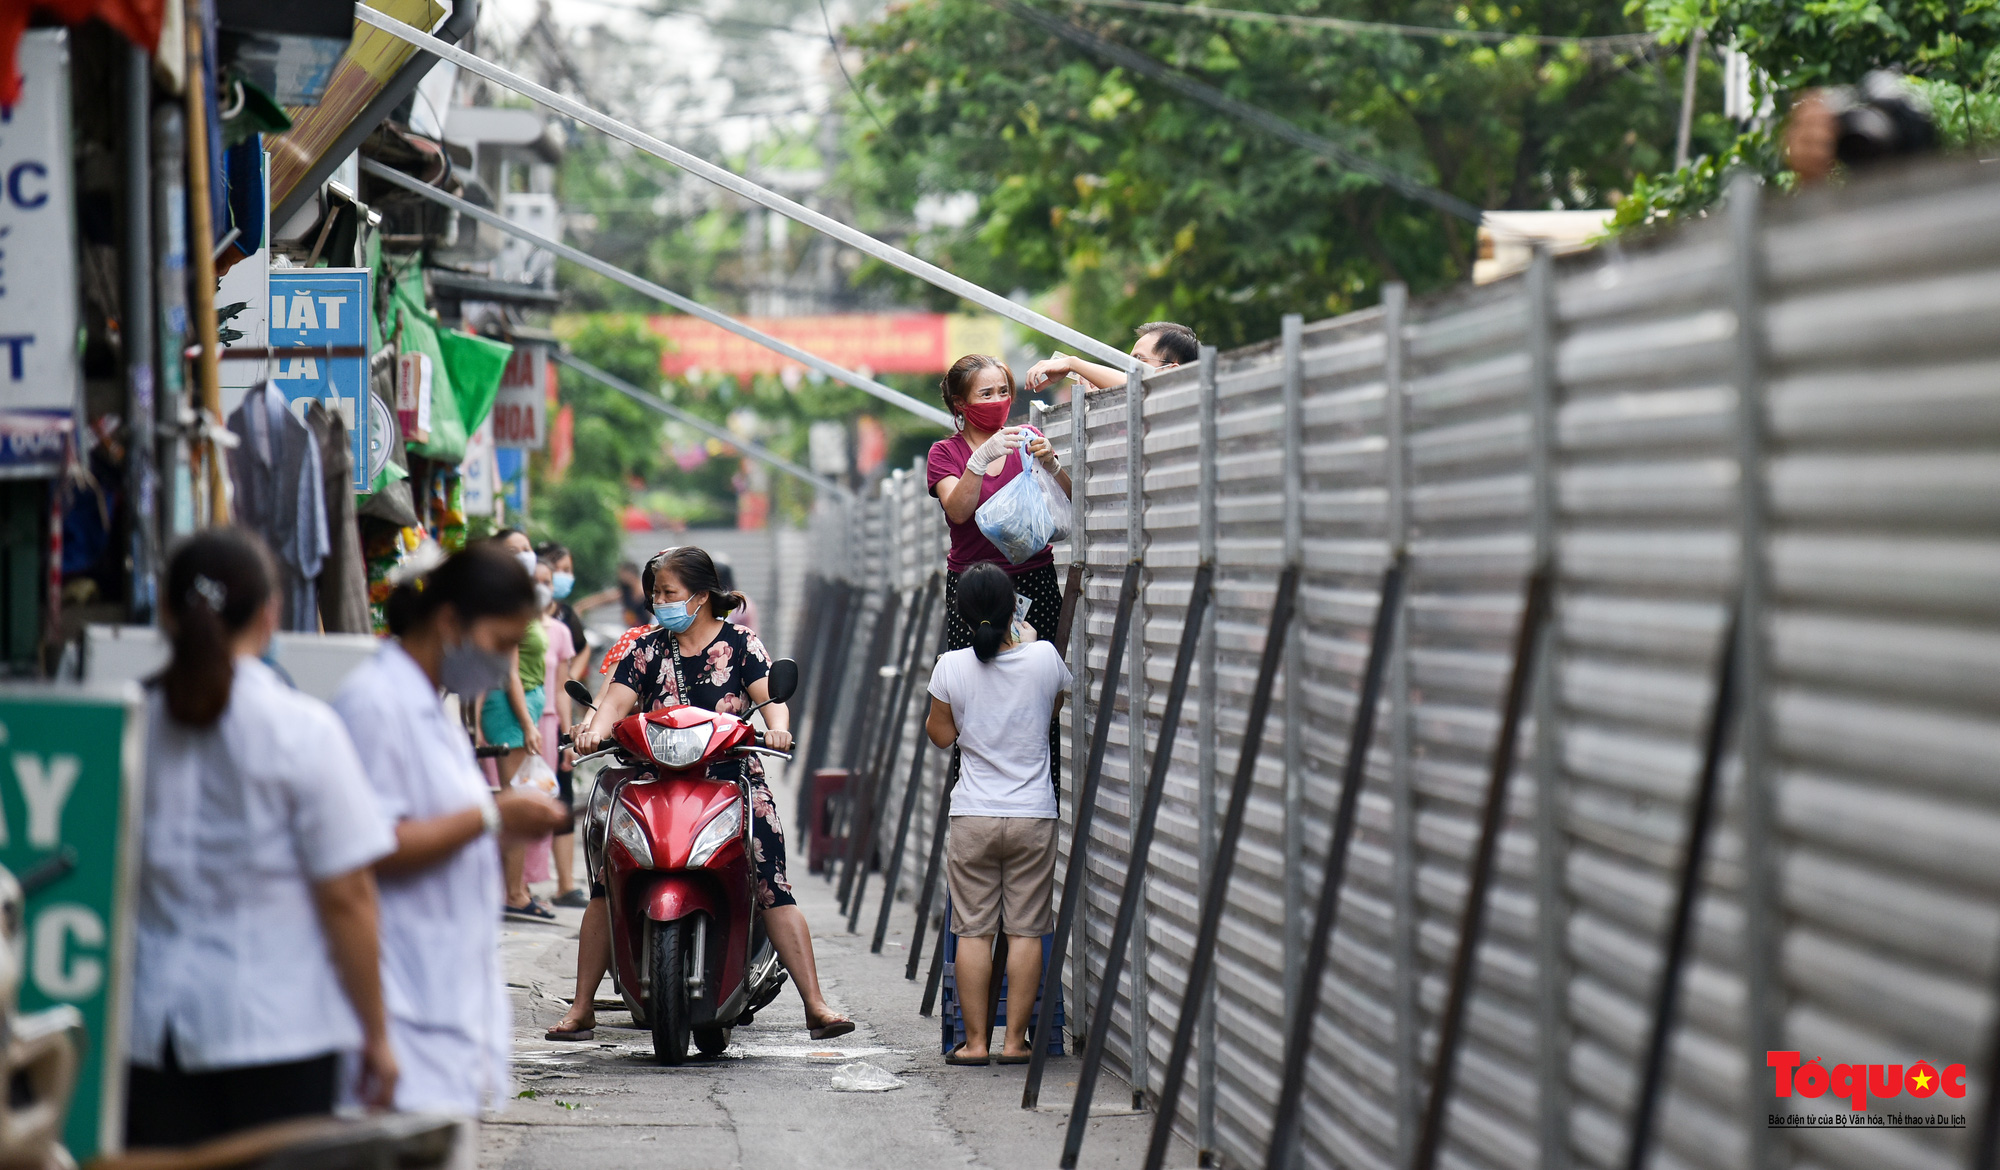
<point x="455" y="629"/>
<point x="255" y="974"/>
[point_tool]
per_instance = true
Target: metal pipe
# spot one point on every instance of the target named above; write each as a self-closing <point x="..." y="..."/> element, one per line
<point x="1294" y="791"/>
<point x="1551" y="900"/>
<point x="654" y="402"/>
<point x="1207" y="749"/>
<point x="729" y="181"/>
<point x="1146" y="815"/>
<point x="1680" y="929"/>
<point x="894" y="720"/>
<point x="1138" y="698"/>
<point x="1079" y="659"/>
<point x="913" y="788"/>
<point x="1534" y="611"/>
<point x="856" y="756"/>
<point x="640" y="284"/>
<point x="1283" y="1150"/>
<point x="1402" y="783"/>
<point x="136" y="332"/>
<point x="1762" y="907"/>
<point x="1079" y="844"/>
<point x="922" y="929"/>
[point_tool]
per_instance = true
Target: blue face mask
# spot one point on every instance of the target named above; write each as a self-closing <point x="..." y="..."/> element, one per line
<point x="562" y="583"/>
<point x="673" y="616"/>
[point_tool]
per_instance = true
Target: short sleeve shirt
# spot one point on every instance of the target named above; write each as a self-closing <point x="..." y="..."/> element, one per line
<point x="717" y="679"/>
<point x="969" y="546"/>
<point x="241" y="820"/>
<point x="1001" y="709"/>
<point x="534" y="648"/>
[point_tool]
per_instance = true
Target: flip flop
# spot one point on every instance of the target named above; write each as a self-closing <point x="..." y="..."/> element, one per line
<point x="953" y="1057"/>
<point x="830" y="1029"/>
<point x="1014" y="1059"/>
<point x="532" y="912"/>
<point x="578" y="1034"/>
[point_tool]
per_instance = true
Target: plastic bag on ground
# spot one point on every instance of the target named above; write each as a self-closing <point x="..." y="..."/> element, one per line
<point x="862" y="1077"/>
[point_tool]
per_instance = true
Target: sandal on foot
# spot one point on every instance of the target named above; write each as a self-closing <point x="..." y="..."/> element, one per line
<point x="830" y="1029"/>
<point x="533" y="912"/>
<point x="573" y="1034"/>
<point x="1003" y="1059"/>
<point x="953" y="1057"/>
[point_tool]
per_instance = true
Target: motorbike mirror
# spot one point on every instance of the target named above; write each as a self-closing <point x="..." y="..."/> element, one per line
<point x="784" y="680"/>
<point x="578" y="693"/>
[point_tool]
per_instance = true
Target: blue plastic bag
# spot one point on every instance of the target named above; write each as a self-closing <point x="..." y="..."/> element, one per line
<point x="1020" y="518"/>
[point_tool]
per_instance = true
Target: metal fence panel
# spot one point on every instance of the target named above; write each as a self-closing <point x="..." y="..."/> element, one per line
<point x="1868" y="511"/>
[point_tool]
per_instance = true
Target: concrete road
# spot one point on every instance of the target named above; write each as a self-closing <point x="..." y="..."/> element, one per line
<point x="767" y="1104"/>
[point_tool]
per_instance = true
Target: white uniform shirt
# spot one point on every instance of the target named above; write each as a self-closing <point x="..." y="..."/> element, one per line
<point x="449" y="1016"/>
<point x="242" y="818"/>
<point x="1002" y="712"/>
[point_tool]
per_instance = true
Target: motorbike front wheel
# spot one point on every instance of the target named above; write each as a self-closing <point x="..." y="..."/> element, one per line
<point x="668" y="1009"/>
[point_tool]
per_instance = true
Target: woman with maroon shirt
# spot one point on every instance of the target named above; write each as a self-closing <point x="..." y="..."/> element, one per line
<point x="964" y="472"/>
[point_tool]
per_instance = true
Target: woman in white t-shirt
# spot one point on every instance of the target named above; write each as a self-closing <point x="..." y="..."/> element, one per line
<point x="994" y="700"/>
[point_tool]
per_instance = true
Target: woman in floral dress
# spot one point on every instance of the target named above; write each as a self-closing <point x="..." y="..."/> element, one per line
<point x="693" y="656"/>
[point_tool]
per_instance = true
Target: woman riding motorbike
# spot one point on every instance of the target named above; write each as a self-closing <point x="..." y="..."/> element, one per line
<point x="696" y="658"/>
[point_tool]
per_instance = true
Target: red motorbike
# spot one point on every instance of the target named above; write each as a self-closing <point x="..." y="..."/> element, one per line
<point x="689" y="953"/>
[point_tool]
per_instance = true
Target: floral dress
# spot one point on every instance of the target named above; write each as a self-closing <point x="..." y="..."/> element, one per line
<point x="717" y="679"/>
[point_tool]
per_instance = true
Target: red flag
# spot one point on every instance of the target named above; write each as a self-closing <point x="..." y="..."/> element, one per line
<point x="138" y="20"/>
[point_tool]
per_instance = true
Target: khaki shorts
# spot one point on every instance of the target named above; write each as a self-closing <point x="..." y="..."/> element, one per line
<point x="1001" y="871"/>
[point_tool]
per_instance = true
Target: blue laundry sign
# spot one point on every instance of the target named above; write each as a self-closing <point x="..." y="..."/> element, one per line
<point x="319" y="308"/>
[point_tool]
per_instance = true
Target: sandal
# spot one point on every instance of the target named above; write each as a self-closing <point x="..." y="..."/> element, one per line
<point x="574" y="1034"/>
<point x="830" y="1029"/>
<point x="534" y="912"/>
<point x="1003" y="1059"/>
<point x="953" y="1057"/>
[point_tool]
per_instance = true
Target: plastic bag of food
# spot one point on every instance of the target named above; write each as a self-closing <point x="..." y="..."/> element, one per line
<point x="536" y="776"/>
<point x="1018" y="518"/>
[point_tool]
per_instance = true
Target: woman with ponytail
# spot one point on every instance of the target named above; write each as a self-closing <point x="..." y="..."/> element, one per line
<point x="993" y="700"/>
<point x="256" y="970"/>
<point x="454" y="628"/>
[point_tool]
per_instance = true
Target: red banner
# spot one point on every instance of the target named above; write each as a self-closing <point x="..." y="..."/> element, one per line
<point x="879" y="343"/>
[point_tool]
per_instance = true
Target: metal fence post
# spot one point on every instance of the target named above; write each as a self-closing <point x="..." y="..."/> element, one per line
<point x="1138" y="695"/>
<point x="1079" y="663"/>
<point x="1295" y="779"/>
<point x="1552" y="906"/>
<point x="1762" y="922"/>
<point x="1402" y="789"/>
<point x="1206" y="743"/>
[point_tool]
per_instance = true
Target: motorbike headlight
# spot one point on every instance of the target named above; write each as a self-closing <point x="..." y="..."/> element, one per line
<point x="626" y="828"/>
<point x="719" y="831"/>
<point x="677" y="747"/>
<point x="601" y="796"/>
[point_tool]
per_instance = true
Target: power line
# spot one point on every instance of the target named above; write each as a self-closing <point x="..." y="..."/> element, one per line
<point x="1262" y="119"/>
<point x="1487" y="35"/>
<point x="833" y="43"/>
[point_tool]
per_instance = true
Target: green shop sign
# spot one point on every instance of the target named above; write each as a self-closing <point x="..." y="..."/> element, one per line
<point x="69" y="812"/>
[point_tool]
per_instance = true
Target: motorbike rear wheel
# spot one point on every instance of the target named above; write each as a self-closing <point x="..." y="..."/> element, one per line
<point x="668" y="1006"/>
<point x="711" y="1040"/>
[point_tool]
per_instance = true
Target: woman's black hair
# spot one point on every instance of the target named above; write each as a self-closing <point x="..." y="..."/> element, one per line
<point x="695" y="569"/>
<point x="485" y="580"/>
<point x="217" y="581"/>
<point x="986" y="602"/>
<point x="551" y="552"/>
<point x="956" y="385"/>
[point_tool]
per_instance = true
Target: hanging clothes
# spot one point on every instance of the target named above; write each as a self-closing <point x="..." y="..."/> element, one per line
<point x="343" y="580"/>
<point x="280" y="495"/>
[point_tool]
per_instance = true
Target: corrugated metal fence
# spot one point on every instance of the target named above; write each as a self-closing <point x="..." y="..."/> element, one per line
<point x="1601" y="414"/>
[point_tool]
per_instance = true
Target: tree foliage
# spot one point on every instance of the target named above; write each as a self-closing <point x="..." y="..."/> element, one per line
<point x="1141" y="204"/>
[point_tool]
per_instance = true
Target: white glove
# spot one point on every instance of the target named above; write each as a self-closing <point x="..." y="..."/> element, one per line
<point x="991" y="449"/>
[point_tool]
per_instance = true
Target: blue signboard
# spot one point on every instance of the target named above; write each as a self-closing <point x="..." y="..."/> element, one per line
<point x="512" y="464"/>
<point x="317" y="308"/>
